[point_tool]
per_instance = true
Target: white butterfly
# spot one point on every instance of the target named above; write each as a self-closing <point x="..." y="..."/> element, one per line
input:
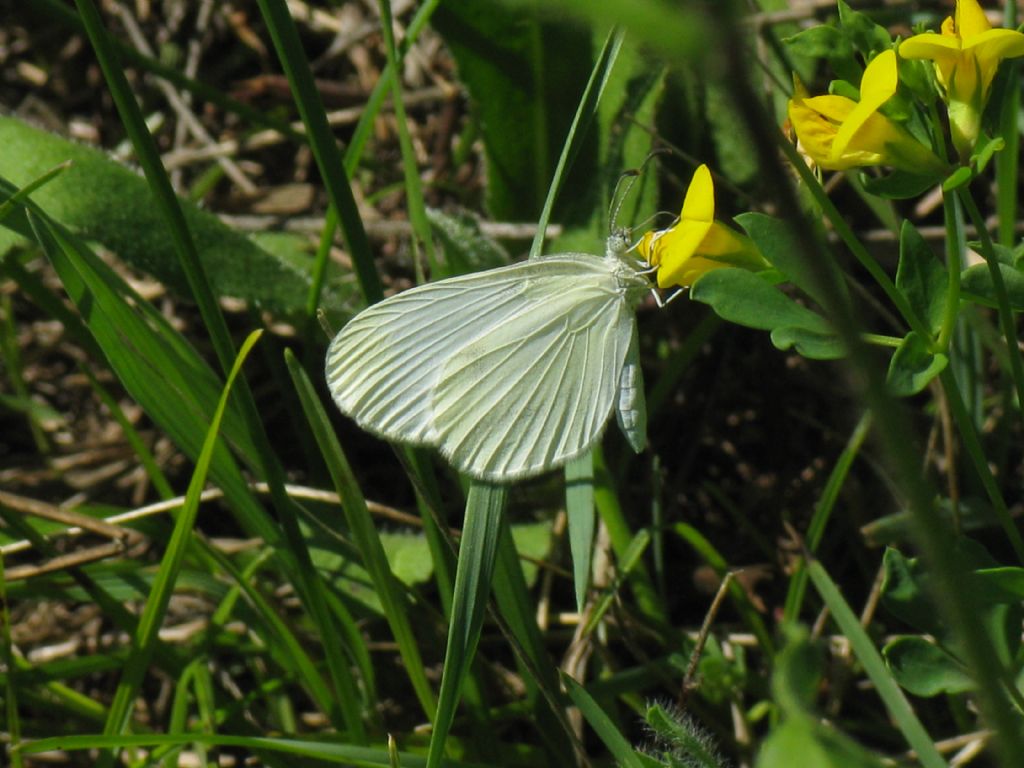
<point x="508" y="372"/>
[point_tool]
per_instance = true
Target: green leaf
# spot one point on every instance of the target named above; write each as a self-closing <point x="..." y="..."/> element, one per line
<point x="520" y="72"/>
<point x="985" y="151"/>
<point x="1002" y="584"/>
<point x="825" y="41"/>
<point x="797" y="673"/>
<point x="924" y="669"/>
<point x="867" y="37"/>
<point x="957" y="179"/>
<point x="774" y="238"/>
<point x="976" y="285"/>
<point x="905" y="594"/>
<point x="921" y="277"/>
<point x="913" y="365"/>
<point x="364" y="533"/>
<point x="681" y="740"/>
<point x="746" y="299"/>
<point x="898" y="185"/>
<point x="629" y="100"/>
<point x="811" y="344"/>
<point x="466" y="247"/>
<point x="817" y="745"/>
<point x="103" y="201"/>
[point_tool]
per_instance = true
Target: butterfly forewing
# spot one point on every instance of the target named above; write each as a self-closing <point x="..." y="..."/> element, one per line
<point x="384" y="364"/>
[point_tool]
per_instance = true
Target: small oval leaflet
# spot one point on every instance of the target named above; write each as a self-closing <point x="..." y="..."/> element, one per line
<point x="509" y="372"/>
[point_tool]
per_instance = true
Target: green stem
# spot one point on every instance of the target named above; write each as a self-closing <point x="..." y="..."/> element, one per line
<point x="1006" y="320"/>
<point x="879" y="340"/>
<point x="845" y="233"/>
<point x="954" y="245"/>
<point x="972" y="445"/>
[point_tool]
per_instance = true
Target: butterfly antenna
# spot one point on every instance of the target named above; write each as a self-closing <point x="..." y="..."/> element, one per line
<point x="325" y="324"/>
<point x="629" y="177"/>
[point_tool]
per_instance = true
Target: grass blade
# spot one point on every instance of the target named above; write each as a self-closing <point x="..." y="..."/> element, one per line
<point x="322" y="142"/>
<point x="160" y="594"/>
<point x="364" y="533"/>
<point x="579" y="508"/>
<point x="477" y="554"/>
<point x="890" y="693"/>
<point x="586" y="113"/>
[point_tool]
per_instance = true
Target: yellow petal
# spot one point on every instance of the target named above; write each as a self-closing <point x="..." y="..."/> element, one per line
<point x="929" y="46"/>
<point x="877" y="86"/>
<point x="685" y="273"/>
<point x="970" y="19"/>
<point x="879" y="82"/>
<point x="720" y="240"/>
<point x="989" y="48"/>
<point x="835" y="108"/>
<point x="699" y="204"/>
<point x="673" y="246"/>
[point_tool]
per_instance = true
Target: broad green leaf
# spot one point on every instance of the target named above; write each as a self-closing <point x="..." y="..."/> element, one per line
<point x="825" y="41"/>
<point x="746" y="299"/>
<point x="796" y="676"/>
<point x="899" y="185"/>
<point x="905" y="594"/>
<point x="466" y="248"/>
<point x="811" y="344"/>
<point x="976" y="285"/>
<point x="817" y="745"/>
<point x="924" y="669"/>
<point x="103" y="201"/>
<point x="889" y="530"/>
<point x="913" y="366"/>
<point x="774" y="238"/>
<point x="867" y="37"/>
<point x="521" y="73"/>
<point x="1003" y="584"/>
<point x="921" y="277"/>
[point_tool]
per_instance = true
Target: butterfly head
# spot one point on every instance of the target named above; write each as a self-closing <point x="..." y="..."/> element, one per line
<point x="618" y="243"/>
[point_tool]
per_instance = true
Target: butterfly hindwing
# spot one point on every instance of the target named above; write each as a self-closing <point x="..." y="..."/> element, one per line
<point x="536" y="391"/>
<point x="630" y="405"/>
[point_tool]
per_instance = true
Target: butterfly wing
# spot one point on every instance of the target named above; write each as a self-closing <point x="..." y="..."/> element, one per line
<point x="534" y="392"/>
<point x="630" y="405"/>
<point x="384" y="365"/>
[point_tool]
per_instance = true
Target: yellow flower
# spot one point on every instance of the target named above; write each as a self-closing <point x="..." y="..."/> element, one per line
<point x="697" y="243"/>
<point x="966" y="55"/>
<point x="839" y="133"/>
